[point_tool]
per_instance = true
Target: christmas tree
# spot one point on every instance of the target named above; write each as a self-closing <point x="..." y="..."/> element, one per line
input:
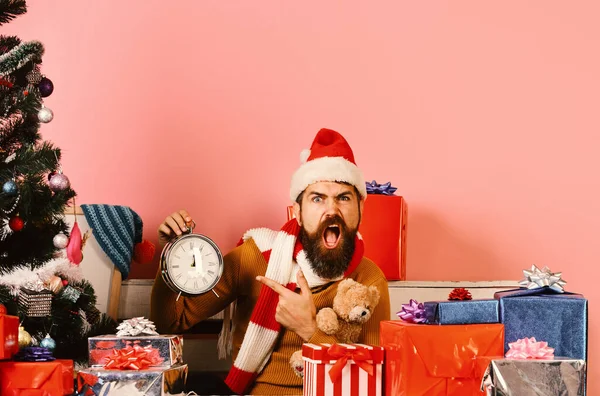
<point x="40" y="278"/>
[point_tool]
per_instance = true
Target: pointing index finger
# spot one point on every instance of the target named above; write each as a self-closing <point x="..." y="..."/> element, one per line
<point x="277" y="288"/>
<point x="303" y="283"/>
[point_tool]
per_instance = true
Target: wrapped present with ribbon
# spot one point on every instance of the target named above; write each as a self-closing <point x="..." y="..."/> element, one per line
<point x="530" y="369"/>
<point x="9" y="334"/>
<point x="383" y="229"/>
<point x="424" y="360"/>
<point x="153" y="381"/>
<point x="461" y="309"/>
<point x="36" y="378"/>
<point x="542" y="309"/>
<point x="137" y="342"/>
<point x="342" y="369"/>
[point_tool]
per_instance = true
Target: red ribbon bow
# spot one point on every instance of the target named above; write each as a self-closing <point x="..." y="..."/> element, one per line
<point x="359" y="356"/>
<point x="132" y="357"/>
<point x="460" y="293"/>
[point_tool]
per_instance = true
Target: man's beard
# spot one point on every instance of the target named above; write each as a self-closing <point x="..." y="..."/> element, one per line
<point x="329" y="263"/>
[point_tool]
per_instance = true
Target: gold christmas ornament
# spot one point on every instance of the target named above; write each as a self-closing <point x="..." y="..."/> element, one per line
<point x="54" y="284"/>
<point x="24" y="337"/>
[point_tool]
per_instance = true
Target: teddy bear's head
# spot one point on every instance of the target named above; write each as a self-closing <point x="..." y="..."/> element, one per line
<point x="354" y="302"/>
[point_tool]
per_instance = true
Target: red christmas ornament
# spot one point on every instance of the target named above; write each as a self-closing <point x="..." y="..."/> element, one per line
<point x="5" y="83"/>
<point x="65" y="282"/>
<point x="143" y="252"/>
<point x="460" y="293"/>
<point x="16" y="223"/>
<point x="25" y="93"/>
<point x="3" y="310"/>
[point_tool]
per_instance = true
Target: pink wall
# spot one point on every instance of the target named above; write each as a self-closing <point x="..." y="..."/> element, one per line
<point x="484" y="115"/>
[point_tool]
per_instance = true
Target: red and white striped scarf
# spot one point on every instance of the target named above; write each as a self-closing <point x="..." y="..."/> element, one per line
<point x="279" y="249"/>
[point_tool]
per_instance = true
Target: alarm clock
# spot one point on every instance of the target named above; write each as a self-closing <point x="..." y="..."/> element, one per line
<point x="191" y="264"/>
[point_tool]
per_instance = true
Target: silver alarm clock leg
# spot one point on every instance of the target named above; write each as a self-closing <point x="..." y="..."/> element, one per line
<point x="213" y="290"/>
<point x="179" y="295"/>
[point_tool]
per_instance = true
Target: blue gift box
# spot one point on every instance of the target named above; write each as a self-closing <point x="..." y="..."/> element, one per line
<point x="560" y="319"/>
<point x="462" y="312"/>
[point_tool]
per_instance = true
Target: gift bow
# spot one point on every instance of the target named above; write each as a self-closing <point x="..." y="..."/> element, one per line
<point x="460" y="293"/>
<point x="529" y="348"/>
<point x="359" y="356"/>
<point x="413" y="312"/>
<point x="134" y="327"/>
<point x="132" y="357"/>
<point x="385" y="189"/>
<point x="536" y="278"/>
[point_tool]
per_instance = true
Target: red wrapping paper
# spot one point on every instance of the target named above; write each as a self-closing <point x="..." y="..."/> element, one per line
<point x="36" y="378"/>
<point x="431" y="360"/>
<point x="9" y="336"/>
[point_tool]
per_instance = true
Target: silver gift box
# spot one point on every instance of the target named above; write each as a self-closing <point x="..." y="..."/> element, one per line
<point x="155" y="381"/>
<point x="169" y="348"/>
<point x="535" y="377"/>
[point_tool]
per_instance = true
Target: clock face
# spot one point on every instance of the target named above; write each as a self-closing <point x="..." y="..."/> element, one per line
<point x="192" y="265"/>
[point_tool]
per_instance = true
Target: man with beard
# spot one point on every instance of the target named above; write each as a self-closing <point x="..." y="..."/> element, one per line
<point x="280" y="279"/>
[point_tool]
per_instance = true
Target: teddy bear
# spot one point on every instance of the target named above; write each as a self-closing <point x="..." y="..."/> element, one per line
<point x="353" y="305"/>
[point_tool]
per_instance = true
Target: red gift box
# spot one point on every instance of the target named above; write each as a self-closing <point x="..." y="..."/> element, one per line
<point x="432" y="360"/>
<point x="383" y="229"/>
<point x="9" y="335"/>
<point x="53" y="378"/>
<point x="342" y="369"/>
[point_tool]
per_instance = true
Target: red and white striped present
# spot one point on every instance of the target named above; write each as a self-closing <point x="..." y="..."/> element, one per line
<point x="342" y="369"/>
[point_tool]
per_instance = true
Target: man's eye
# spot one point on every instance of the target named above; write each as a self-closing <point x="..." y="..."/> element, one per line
<point x="317" y="199"/>
<point x="345" y="198"/>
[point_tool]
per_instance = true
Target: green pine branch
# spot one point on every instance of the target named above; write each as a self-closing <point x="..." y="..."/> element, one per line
<point x="10" y="9"/>
<point x="19" y="56"/>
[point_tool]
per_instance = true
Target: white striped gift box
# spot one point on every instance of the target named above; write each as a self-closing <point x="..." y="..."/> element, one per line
<point x="349" y="376"/>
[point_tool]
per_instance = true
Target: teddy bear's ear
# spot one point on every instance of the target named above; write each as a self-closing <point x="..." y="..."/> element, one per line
<point x="345" y="285"/>
<point x="374" y="291"/>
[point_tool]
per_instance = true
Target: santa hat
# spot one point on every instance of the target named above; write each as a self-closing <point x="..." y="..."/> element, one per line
<point x="330" y="158"/>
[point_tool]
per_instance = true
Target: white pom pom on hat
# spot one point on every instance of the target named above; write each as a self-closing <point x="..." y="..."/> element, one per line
<point x="329" y="158"/>
<point x="304" y="154"/>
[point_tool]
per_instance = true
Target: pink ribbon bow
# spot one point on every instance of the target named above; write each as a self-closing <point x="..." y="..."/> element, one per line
<point x="529" y="348"/>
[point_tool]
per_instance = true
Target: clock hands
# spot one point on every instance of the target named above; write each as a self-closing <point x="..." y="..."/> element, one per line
<point x="198" y="262"/>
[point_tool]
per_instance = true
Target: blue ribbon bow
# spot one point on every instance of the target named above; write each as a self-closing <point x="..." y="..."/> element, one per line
<point x="385" y="189"/>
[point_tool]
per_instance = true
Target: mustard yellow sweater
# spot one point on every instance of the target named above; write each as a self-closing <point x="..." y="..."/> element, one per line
<point x="238" y="282"/>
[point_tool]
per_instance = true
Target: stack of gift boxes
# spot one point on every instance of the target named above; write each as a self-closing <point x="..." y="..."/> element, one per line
<point x="30" y="370"/>
<point x="526" y="341"/>
<point x="135" y="361"/>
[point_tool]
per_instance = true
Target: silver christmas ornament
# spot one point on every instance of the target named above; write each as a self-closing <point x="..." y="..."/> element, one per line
<point x="38" y="304"/>
<point x="34" y="77"/>
<point x="45" y="115"/>
<point x="59" y="182"/>
<point x="60" y="241"/>
<point x="48" y="342"/>
<point x="10" y="188"/>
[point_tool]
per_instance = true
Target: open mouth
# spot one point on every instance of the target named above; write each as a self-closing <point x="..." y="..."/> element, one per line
<point x="331" y="236"/>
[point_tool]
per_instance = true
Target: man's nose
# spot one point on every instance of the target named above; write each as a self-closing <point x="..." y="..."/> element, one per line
<point x="331" y="208"/>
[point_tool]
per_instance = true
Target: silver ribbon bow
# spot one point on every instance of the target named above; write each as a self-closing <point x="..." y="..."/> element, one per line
<point x="134" y="327"/>
<point x="536" y="278"/>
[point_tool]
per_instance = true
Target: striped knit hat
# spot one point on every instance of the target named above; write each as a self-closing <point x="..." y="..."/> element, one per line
<point x="118" y="230"/>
